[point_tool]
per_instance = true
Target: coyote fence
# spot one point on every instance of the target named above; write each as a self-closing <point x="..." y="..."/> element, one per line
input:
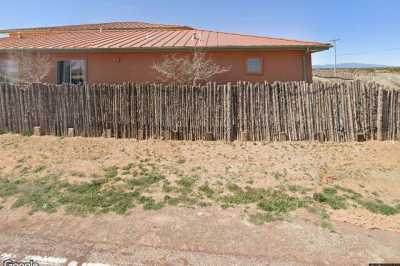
<point x="258" y="112"/>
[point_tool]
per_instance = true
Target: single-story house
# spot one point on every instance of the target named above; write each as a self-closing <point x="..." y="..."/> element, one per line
<point x="125" y="51"/>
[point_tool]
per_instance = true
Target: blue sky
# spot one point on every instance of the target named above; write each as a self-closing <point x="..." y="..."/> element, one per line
<point x="369" y="29"/>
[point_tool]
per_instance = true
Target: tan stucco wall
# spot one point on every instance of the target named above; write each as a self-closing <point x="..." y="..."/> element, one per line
<point x="136" y="66"/>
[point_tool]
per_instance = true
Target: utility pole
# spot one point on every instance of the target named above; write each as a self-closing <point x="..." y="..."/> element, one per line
<point x="334" y="42"/>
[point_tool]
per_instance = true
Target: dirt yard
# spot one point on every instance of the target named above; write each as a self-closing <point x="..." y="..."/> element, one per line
<point x="389" y="77"/>
<point x="127" y="202"/>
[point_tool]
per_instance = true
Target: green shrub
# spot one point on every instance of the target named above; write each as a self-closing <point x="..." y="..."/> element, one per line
<point x="110" y="173"/>
<point x="8" y="188"/>
<point x="207" y="190"/>
<point x="281" y="203"/>
<point x="27" y="133"/>
<point x="186" y="184"/>
<point x="380" y="208"/>
<point x="150" y="204"/>
<point x="145" y="181"/>
<point x="330" y="197"/>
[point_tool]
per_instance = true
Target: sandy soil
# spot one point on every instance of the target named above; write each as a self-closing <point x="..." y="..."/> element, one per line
<point x="211" y="235"/>
<point x="190" y="237"/>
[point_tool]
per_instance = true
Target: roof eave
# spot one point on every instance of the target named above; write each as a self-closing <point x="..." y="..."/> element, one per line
<point x="310" y="48"/>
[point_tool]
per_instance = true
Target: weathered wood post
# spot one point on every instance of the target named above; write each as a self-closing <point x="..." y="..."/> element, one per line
<point x="167" y="135"/>
<point x="175" y="135"/>
<point x="37" y="131"/>
<point x="163" y="135"/>
<point x="361" y="137"/>
<point x="209" y="136"/>
<point x="244" y="136"/>
<point x="283" y="136"/>
<point x="140" y="134"/>
<point x="108" y="133"/>
<point x="229" y="113"/>
<point x="71" y="132"/>
<point x="379" y="124"/>
<point x="319" y="136"/>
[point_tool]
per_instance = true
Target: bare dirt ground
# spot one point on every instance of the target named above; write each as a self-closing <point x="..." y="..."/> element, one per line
<point x="333" y="204"/>
<point x="389" y="78"/>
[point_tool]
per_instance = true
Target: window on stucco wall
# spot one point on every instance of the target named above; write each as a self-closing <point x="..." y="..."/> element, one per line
<point x="71" y="71"/>
<point x="254" y="66"/>
<point x="8" y="71"/>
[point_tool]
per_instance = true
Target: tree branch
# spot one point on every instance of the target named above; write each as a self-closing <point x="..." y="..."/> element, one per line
<point x="188" y="69"/>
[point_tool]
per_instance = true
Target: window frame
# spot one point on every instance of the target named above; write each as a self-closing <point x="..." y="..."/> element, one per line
<point x="10" y="70"/>
<point x="258" y="73"/>
<point x="84" y="66"/>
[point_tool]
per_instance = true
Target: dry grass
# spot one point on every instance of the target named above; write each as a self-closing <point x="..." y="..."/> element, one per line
<point x="266" y="181"/>
<point x="389" y="77"/>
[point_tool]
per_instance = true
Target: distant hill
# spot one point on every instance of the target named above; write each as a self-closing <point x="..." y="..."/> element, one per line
<point x="351" y="65"/>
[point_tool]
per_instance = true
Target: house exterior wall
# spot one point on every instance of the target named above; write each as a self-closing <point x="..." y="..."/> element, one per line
<point x="116" y="67"/>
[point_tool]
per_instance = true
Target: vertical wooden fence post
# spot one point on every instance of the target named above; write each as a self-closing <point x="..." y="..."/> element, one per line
<point x="228" y="112"/>
<point x="379" y="118"/>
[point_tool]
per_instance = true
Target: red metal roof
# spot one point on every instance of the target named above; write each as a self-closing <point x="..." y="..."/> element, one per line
<point x="135" y="35"/>
<point x="98" y="26"/>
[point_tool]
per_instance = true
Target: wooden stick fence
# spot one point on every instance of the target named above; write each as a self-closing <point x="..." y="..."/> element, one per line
<point x="259" y="112"/>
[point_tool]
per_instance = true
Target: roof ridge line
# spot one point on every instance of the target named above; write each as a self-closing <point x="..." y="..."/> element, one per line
<point x="117" y="25"/>
<point x="259" y="36"/>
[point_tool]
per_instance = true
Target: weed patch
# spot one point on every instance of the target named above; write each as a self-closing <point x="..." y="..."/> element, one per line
<point x="27" y="133"/>
<point x="380" y="208"/>
<point x="233" y="188"/>
<point x="127" y="169"/>
<point x="24" y="171"/>
<point x="8" y="188"/>
<point x="104" y="195"/>
<point x="181" y="161"/>
<point x="349" y="193"/>
<point x="240" y="196"/>
<point x="145" y="181"/>
<point x="186" y="184"/>
<point x="207" y="190"/>
<point x="47" y="194"/>
<point x="150" y="204"/>
<point x="171" y="200"/>
<point x="39" y="169"/>
<point x="323" y="215"/>
<point x="77" y="174"/>
<point x="42" y="197"/>
<point x="297" y="188"/>
<point x="261" y="218"/>
<point x="279" y="203"/>
<point x="330" y="197"/>
<point x="110" y="173"/>
<point x="167" y="188"/>
<point x="327" y="225"/>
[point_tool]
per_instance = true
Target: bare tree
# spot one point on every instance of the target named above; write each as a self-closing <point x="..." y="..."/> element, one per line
<point x="170" y="69"/>
<point x="30" y="66"/>
<point x="188" y="69"/>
